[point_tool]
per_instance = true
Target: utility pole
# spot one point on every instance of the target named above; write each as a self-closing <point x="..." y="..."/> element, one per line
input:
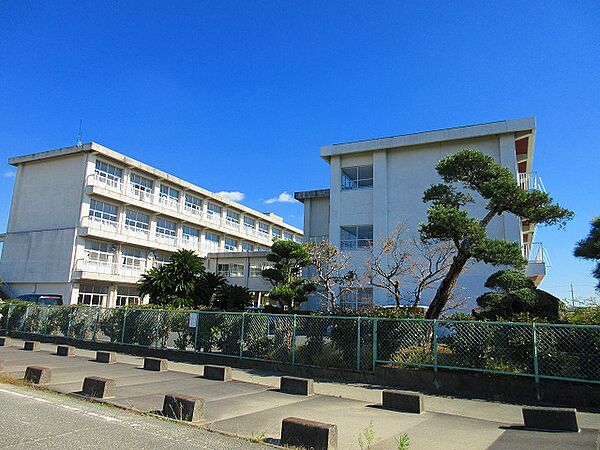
<point x="572" y="295"/>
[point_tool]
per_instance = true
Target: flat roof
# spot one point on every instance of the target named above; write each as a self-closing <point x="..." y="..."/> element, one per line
<point x="426" y="137"/>
<point x="93" y="147"/>
<point x="305" y="195"/>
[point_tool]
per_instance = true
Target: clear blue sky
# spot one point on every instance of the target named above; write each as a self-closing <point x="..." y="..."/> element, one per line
<point x="239" y="96"/>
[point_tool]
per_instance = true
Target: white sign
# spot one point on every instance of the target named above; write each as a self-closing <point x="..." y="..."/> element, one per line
<point x="193" y="320"/>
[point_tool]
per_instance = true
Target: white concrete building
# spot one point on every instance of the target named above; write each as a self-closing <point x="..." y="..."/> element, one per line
<point x="86" y="222"/>
<point x="377" y="184"/>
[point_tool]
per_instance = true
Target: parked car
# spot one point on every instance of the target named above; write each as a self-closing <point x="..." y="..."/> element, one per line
<point x="42" y="299"/>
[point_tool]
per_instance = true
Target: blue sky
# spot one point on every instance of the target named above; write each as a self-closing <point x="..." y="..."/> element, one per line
<point x="239" y="96"/>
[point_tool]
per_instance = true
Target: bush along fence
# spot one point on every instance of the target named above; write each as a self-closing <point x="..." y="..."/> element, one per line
<point x="552" y="351"/>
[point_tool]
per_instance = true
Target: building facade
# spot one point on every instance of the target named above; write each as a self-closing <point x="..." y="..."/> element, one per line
<point x="376" y="185"/>
<point x="85" y="222"/>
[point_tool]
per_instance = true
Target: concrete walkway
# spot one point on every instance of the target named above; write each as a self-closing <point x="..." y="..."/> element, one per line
<point x="251" y="405"/>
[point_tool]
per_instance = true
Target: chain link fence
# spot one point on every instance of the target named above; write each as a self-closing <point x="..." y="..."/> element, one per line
<point x="564" y="352"/>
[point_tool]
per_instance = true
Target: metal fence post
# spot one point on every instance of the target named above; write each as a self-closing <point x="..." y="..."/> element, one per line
<point x="69" y="323"/>
<point x="374" y="344"/>
<point x="48" y="309"/>
<point x="124" y="324"/>
<point x="435" y="346"/>
<point x="8" y="314"/>
<point x="158" y="323"/>
<point x="536" y="370"/>
<point x="25" y="319"/>
<point x="196" y="333"/>
<point x="358" y="344"/>
<point x="96" y="325"/>
<point x="294" y="341"/>
<point x="242" y="335"/>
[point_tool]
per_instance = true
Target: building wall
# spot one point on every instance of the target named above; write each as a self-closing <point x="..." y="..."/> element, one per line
<point x="400" y="177"/>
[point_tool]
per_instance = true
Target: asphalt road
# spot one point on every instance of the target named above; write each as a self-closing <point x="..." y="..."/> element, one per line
<point x="33" y="419"/>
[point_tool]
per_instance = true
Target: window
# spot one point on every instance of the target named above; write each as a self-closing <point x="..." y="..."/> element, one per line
<point x="356" y="298"/>
<point x="212" y="242"/>
<point x="298" y="239"/>
<point x="263" y="228"/>
<point x="100" y="252"/>
<point x="103" y="212"/>
<point x="230" y="245"/>
<point x="356" y="236"/>
<point x="108" y="174"/>
<point x="193" y="204"/>
<point x="249" y="222"/>
<point x="231" y="270"/>
<point x="246" y="247"/>
<point x="161" y="259"/>
<point x="287" y="236"/>
<point x="133" y="261"/>
<point x="127" y="295"/>
<point x="276" y="233"/>
<point x="141" y="187"/>
<point x="256" y="269"/>
<point x="214" y="209"/>
<point x="357" y="177"/>
<point x="92" y="295"/>
<point x="168" y="196"/>
<point x="233" y="217"/>
<point x="190" y="236"/>
<point x="166" y="230"/>
<point x="136" y="221"/>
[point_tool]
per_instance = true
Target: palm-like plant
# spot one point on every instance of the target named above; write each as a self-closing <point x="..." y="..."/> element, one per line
<point x="207" y="285"/>
<point x="233" y="298"/>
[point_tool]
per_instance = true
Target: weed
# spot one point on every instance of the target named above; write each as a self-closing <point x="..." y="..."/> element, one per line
<point x="402" y="442"/>
<point x="366" y="439"/>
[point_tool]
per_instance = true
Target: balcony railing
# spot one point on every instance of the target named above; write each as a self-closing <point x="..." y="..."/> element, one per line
<point x="531" y="182"/>
<point x="536" y="253"/>
<point x="145" y="195"/>
<point x="109" y="268"/>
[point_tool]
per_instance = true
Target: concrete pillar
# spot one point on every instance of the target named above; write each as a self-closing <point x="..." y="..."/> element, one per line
<point x="111" y="300"/>
<point x="334" y="200"/>
<point x="508" y="158"/>
<point x="381" y="227"/>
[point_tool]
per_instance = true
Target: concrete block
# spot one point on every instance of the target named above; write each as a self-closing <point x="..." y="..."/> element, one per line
<point x="98" y="387"/>
<point x="221" y="373"/>
<point x="5" y="341"/>
<point x="183" y="407"/>
<point x="298" y="386"/>
<point x="156" y="364"/>
<point x="554" y="419"/>
<point x="37" y="375"/>
<point x="106" y="357"/>
<point x="403" y="401"/>
<point x="296" y="432"/>
<point x="65" y="350"/>
<point x="32" y="346"/>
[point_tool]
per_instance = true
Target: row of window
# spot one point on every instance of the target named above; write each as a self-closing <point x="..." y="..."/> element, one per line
<point x="97" y="295"/>
<point x="138" y="222"/>
<point x="233" y="270"/>
<point x="112" y="175"/>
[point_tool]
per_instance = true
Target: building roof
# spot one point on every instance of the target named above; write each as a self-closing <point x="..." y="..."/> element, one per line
<point x="93" y="147"/>
<point x="427" y="137"/>
<point x="305" y="195"/>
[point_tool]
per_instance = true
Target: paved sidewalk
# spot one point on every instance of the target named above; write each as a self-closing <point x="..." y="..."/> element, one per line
<point x="250" y="405"/>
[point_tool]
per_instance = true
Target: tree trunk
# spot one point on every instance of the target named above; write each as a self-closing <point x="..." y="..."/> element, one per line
<point x="445" y="289"/>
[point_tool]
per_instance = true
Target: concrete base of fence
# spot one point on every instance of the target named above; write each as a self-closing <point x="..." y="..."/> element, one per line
<point x="220" y="373"/>
<point x="65" y="350"/>
<point x="298" y="386"/>
<point x="106" y="357"/>
<point x="304" y="433"/>
<point x="37" y="375"/>
<point x="183" y="407"/>
<point x="551" y="419"/>
<point x="402" y="401"/>
<point x="98" y="387"/>
<point x="156" y="364"/>
<point x="5" y="341"/>
<point x="32" y="346"/>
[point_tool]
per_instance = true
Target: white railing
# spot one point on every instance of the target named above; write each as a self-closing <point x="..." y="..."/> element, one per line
<point x="168" y="202"/>
<point x="531" y="182"/>
<point x="232" y="224"/>
<point x="536" y="253"/>
<point x="109" y="268"/>
<point x="165" y="239"/>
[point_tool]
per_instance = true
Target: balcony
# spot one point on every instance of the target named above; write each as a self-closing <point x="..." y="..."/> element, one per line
<point x="145" y="198"/>
<point x="531" y="182"/>
<point x="538" y="261"/>
<point x="107" y="270"/>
